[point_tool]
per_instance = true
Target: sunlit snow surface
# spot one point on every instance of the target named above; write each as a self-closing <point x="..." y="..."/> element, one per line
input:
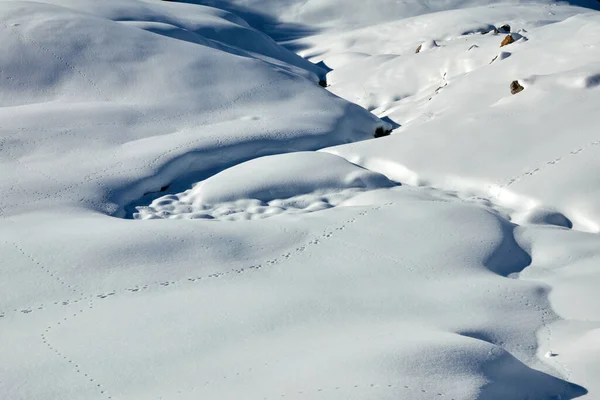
<point x="144" y="143"/>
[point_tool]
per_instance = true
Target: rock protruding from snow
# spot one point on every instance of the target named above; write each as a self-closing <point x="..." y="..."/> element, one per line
<point x="381" y="132"/>
<point x="507" y="40"/>
<point x="504" y="28"/>
<point x="503" y="55"/>
<point x="427" y="45"/>
<point x="515" y="87"/>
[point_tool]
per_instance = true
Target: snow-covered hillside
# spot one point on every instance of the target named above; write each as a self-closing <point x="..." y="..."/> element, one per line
<point x="187" y="213"/>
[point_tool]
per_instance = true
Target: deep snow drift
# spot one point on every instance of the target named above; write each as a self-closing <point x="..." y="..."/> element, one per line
<point x="144" y="143"/>
<point x="303" y="181"/>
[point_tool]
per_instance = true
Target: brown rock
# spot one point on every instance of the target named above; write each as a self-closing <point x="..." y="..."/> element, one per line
<point x="507" y="40"/>
<point x="515" y="87"/>
<point x="419" y="49"/>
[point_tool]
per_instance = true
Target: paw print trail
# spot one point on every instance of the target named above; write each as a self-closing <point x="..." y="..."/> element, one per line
<point x="595" y="144"/>
<point x="165" y="285"/>
<point x="77" y="367"/>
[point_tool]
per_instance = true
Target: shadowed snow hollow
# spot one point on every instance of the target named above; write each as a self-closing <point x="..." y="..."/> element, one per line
<point x="289" y="183"/>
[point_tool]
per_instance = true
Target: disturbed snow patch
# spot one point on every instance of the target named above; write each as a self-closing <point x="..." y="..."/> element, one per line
<point x="290" y="183"/>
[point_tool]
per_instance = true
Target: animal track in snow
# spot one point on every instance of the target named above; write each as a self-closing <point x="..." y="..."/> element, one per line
<point x="550" y="163"/>
<point x="316" y="391"/>
<point x="547" y="317"/>
<point x="77" y="367"/>
<point x="55" y="276"/>
<point x="328" y="233"/>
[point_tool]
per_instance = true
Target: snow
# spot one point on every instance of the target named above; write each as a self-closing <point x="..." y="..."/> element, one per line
<point x="131" y="110"/>
<point x="186" y="213"/>
<point x="268" y="186"/>
<point x="519" y="140"/>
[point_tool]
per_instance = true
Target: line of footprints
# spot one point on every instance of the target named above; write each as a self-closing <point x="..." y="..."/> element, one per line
<point x="550" y="163"/>
<point x="423" y="392"/>
<point x="328" y="233"/>
<point x="90" y="299"/>
<point x="74" y="364"/>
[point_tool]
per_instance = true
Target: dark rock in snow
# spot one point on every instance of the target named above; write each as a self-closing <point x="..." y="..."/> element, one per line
<point x="323" y="83"/>
<point x="515" y="87"/>
<point x="418" y="49"/>
<point x="380" y="132"/>
<point x="504" y="28"/>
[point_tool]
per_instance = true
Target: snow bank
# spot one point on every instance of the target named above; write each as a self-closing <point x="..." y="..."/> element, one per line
<point x="279" y="177"/>
<point x="303" y="181"/>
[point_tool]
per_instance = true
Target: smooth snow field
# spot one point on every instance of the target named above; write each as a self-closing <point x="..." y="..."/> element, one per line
<point x="299" y="199"/>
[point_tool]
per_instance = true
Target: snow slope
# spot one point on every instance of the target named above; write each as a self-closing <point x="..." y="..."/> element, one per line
<point x="336" y="15"/>
<point x="514" y="143"/>
<point x="532" y="157"/>
<point x="143" y="143"/>
<point x="111" y="99"/>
